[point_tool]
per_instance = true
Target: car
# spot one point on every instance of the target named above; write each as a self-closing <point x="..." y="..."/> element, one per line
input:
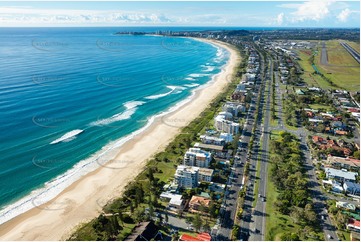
<point x="329" y="236"/>
<point x="263" y="199"/>
<point x="259" y="195"/>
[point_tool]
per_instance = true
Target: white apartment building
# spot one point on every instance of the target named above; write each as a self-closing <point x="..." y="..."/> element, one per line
<point x="197" y="157"/>
<point x="186" y="176"/>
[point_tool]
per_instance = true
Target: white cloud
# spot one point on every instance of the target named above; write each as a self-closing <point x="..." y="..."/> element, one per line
<point x="20" y="15"/>
<point x="279" y="19"/>
<point x="344" y="15"/>
<point x="315" y="10"/>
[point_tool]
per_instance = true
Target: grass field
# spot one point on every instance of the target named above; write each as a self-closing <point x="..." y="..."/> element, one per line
<point x="337" y="54"/>
<point x="276" y="223"/>
<point x="320" y="106"/>
<point x="342" y="68"/>
<point x="354" y="45"/>
<point x="308" y="77"/>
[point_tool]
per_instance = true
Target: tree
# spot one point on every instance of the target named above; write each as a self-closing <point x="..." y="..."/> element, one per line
<point x="356" y="154"/>
<point x="213" y="210"/>
<point x="297" y="215"/>
<point x="288" y="236"/>
<point x="166" y="218"/>
<point x="239" y="213"/>
<point x="197" y="222"/>
<point x="341" y="220"/>
<point x="206" y="227"/>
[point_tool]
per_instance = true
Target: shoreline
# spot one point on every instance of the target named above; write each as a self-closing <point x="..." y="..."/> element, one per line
<point x="83" y="200"/>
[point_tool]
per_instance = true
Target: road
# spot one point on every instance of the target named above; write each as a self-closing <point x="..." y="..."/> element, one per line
<point x="253" y="219"/>
<point x="229" y="207"/>
<point x="259" y="213"/>
<point x="314" y="187"/>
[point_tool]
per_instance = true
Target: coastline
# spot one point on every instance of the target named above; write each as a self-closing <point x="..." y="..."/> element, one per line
<point x="83" y="200"/>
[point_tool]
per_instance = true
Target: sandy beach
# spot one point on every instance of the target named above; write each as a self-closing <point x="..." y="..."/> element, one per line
<point x="83" y="200"/>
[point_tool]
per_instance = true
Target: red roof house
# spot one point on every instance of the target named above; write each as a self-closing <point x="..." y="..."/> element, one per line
<point x="200" y="237"/>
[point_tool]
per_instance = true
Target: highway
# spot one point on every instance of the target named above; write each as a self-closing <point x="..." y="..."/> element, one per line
<point x="229" y="206"/>
<point x="253" y="219"/>
<point x="259" y="212"/>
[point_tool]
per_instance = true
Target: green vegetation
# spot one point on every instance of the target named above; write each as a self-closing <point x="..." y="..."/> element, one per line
<point x="235" y="232"/>
<point x="342" y="70"/>
<point x="288" y="202"/>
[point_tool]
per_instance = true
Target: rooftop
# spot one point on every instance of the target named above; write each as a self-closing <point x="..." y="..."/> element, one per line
<point x="347" y="161"/>
<point x="205" y="171"/>
<point x="208" y="146"/>
<point x="175" y="199"/>
<point x="340" y="173"/>
<point x="199" y="237"/>
<point x="199" y="200"/>
<point x="346" y="205"/>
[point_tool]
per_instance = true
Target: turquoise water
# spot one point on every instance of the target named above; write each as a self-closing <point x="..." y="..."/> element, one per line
<point x="67" y="93"/>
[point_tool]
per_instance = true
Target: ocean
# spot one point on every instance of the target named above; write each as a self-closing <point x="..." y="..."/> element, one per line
<point x="70" y="96"/>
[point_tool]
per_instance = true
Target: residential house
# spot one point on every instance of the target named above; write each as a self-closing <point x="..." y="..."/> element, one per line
<point x="199" y="237"/>
<point x="175" y="201"/>
<point x="353" y="224"/>
<point x="145" y="231"/>
<point x="197" y="203"/>
<point x="340" y="175"/>
<point x="344" y="163"/>
<point x="352" y="188"/>
<point x="346" y="206"/>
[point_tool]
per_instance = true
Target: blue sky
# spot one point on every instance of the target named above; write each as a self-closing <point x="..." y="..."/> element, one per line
<point x="320" y="13"/>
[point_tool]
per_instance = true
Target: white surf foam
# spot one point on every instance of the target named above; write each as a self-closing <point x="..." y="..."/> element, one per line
<point x="189" y="79"/>
<point x="192" y="85"/>
<point x="174" y="90"/>
<point x="198" y="75"/>
<point x="131" y="108"/>
<point x="209" y="68"/>
<point x="68" y="136"/>
<point x="163" y="94"/>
